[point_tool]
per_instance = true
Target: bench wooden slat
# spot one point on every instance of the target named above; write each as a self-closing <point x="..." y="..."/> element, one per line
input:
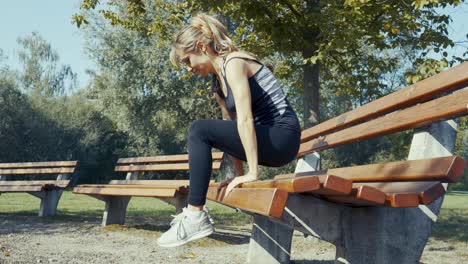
<point x="37" y="171"/>
<point x="161" y="167"/>
<point x="47" y="164"/>
<point x="317" y="184"/>
<point x="361" y="196"/>
<point x="292" y="185"/>
<point x="21" y="188"/>
<point x="162" y="159"/>
<point x="439" y="109"/>
<point x="131" y="186"/>
<point x="445" y="169"/>
<point x="454" y="78"/>
<point x="60" y="183"/>
<point x="427" y="192"/>
<point x="141" y="192"/>
<point x="265" y="201"/>
<point x="153" y="182"/>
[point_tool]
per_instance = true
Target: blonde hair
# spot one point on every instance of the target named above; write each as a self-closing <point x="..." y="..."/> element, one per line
<point x="203" y="28"/>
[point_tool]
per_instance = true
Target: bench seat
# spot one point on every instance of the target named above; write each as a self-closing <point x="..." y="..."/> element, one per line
<point x="117" y="193"/>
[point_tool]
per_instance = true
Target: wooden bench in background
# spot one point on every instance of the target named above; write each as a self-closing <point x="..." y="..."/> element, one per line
<point x="49" y="191"/>
<point x="376" y="213"/>
<point x="117" y="193"/>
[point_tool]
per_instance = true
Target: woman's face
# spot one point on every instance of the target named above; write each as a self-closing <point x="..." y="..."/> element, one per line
<point x="198" y="63"/>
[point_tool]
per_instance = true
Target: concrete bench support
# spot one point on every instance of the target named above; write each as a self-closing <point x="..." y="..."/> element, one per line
<point x="270" y="242"/>
<point x="50" y="198"/>
<point x="179" y="201"/>
<point x="49" y="201"/>
<point x="116" y="210"/>
<point x="389" y="235"/>
<point x="360" y="234"/>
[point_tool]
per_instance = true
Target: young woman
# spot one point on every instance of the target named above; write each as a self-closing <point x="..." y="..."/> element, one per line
<point x="260" y="126"/>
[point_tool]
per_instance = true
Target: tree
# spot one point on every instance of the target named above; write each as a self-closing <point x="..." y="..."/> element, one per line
<point x="138" y="89"/>
<point x="326" y="34"/>
<point x="41" y="119"/>
<point x="41" y="74"/>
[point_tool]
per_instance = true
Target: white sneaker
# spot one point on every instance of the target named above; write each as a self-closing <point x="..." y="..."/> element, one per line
<point x="185" y="229"/>
<point x="180" y="215"/>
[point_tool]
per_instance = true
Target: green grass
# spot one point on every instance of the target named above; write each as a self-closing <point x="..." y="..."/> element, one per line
<point x="452" y="223"/>
<point x="153" y="214"/>
<point x="146" y="213"/>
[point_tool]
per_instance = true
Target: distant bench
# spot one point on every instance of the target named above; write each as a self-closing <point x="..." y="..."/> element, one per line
<point x="376" y="213"/>
<point x="49" y="191"/>
<point x="117" y="193"/>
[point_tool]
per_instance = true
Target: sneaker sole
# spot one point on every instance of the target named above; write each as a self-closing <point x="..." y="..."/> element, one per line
<point x="195" y="236"/>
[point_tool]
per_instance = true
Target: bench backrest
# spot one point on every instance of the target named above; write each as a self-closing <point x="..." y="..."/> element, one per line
<point x="64" y="169"/>
<point x="160" y="163"/>
<point x="415" y="106"/>
<point x="50" y="167"/>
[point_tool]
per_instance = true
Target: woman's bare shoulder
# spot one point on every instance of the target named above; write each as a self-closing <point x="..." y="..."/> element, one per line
<point x="242" y="54"/>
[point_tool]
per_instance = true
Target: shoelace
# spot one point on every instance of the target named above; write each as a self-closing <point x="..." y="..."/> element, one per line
<point x="177" y="218"/>
<point x="181" y="226"/>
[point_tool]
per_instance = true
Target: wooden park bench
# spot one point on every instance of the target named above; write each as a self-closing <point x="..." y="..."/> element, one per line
<point x="376" y="213"/>
<point x="49" y="191"/>
<point x="117" y="193"/>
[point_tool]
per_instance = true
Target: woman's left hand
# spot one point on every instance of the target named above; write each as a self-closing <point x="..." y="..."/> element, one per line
<point x="250" y="177"/>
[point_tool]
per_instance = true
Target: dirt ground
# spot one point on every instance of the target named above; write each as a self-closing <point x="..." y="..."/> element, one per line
<point x="26" y="239"/>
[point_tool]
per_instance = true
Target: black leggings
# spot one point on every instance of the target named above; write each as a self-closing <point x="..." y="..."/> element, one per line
<point x="276" y="146"/>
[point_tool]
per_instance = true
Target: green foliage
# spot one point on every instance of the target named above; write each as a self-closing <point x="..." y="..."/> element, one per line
<point x="337" y="34"/>
<point x="138" y="89"/>
<point x="40" y="123"/>
<point x="461" y="149"/>
<point x="41" y="74"/>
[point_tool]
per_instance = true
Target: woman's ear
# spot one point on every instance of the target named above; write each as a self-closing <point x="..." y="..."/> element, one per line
<point x="201" y="46"/>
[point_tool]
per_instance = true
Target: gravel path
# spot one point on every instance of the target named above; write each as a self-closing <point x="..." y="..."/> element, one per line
<point x="26" y="239"/>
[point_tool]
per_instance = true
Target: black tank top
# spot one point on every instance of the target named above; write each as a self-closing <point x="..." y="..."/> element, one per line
<point x="269" y="104"/>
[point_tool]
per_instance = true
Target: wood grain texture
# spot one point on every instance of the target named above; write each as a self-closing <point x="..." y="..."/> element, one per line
<point x="161" y="167"/>
<point x="117" y="191"/>
<point x="449" y="80"/>
<point x="164" y="159"/>
<point x="21" y="188"/>
<point x="444" y="169"/>
<point x="265" y="201"/>
<point x="436" y="110"/>
<point x="153" y="182"/>
<point x="58" y="184"/>
<point x="37" y="171"/>
<point x="427" y="192"/>
<point x="48" y="164"/>
<point x="291" y="185"/>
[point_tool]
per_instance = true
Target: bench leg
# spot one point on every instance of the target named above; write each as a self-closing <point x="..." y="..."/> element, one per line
<point x="385" y="235"/>
<point x="116" y="209"/>
<point x="270" y="242"/>
<point x="179" y="201"/>
<point x="49" y="203"/>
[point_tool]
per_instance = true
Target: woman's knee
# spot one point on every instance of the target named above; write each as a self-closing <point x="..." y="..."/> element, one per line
<point x="198" y="130"/>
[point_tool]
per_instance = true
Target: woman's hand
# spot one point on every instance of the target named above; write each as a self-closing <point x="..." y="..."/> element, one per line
<point x="250" y="177"/>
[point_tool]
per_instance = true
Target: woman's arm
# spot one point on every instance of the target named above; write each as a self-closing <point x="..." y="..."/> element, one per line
<point x="239" y="84"/>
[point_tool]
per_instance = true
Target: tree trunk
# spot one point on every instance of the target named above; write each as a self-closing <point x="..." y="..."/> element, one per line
<point x="311" y="88"/>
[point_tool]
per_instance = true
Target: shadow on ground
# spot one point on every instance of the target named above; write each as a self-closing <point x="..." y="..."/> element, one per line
<point x="313" y="262"/>
<point x="451" y="225"/>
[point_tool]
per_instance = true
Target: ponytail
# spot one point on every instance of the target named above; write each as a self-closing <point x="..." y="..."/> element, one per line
<point x="203" y="28"/>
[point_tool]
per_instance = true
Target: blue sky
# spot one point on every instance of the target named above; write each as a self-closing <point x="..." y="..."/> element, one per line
<point x="52" y="19"/>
